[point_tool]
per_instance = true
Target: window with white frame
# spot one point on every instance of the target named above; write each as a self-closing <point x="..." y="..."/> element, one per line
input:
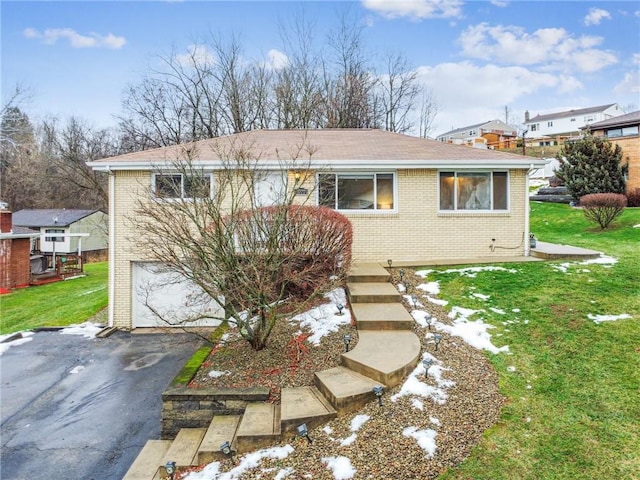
<point x="179" y="185"/>
<point x="357" y="191"/>
<point x="51" y="238"/>
<point x="473" y="190"/>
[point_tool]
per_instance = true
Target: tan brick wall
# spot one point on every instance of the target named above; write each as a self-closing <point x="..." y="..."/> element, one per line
<point x="415" y="233"/>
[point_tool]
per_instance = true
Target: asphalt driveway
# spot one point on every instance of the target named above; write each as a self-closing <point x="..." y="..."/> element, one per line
<point x="78" y="408"/>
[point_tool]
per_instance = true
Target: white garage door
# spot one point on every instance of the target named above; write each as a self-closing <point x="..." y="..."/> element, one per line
<point x="174" y="298"/>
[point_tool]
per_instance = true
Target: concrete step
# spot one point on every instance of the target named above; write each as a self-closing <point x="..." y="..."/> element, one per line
<point x="304" y="405"/>
<point x="222" y="429"/>
<point x="347" y="390"/>
<point x="146" y="464"/>
<point x="552" y="251"/>
<point x="184" y="448"/>
<point x="384" y="356"/>
<point x="368" y="272"/>
<point x="372" y="292"/>
<point x="259" y="427"/>
<point x="381" y="316"/>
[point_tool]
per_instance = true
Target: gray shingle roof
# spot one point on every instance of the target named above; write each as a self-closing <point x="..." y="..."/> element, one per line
<point x="56" y="217"/>
<point x="632" y="118"/>
<point x="325" y="145"/>
<point x="569" y="113"/>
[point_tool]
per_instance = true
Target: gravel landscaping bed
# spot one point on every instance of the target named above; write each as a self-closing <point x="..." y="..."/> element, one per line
<point x="409" y="438"/>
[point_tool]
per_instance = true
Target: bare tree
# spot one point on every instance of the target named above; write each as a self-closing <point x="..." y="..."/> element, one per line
<point x="428" y="112"/>
<point x="258" y="263"/>
<point x="399" y="91"/>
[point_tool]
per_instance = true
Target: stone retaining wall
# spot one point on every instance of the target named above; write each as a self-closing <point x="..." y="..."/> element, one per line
<point x="184" y="407"/>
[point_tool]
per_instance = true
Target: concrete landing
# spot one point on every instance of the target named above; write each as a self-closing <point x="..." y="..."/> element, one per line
<point x="368" y="272"/>
<point x="222" y="429"/>
<point x="386" y="357"/>
<point x="381" y="316"/>
<point x="184" y="449"/>
<point x="552" y="251"/>
<point x="372" y="292"/>
<point x="347" y="390"/>
<point x="146" y="464"/>
<point x="303" y="405"/>
<point x="259" y="427"/>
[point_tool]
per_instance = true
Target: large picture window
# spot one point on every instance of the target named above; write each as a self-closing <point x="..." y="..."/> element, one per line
<point x="473" y="190"/>
<point x="357" y="191"/>
<point x="178" y="185"/>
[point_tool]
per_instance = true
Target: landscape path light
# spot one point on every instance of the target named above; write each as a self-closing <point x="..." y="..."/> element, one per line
<point x="429" y="320"/>
<point x="427" y="362"/>
<point x="347" y="341"/>
<point x="378" y="391"/>
<point x="340" y="307"/>
<point x="437" y="338"/>
<point x="303" y="431"/>
<point x="170" y="468"/>
<point x="414" y="300"/>
<point x="401" y="272"/>
<point x="406" y="286"/>
<point x="225" y="448"/>
<point x="389" y="262"/>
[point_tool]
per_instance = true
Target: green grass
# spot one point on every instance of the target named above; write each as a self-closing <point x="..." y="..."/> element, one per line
<point x="573" y="402"/>
<point x="56" y="304"/>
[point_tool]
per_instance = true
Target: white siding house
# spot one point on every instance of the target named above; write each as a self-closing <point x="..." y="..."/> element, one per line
<point x="567" y="123"/>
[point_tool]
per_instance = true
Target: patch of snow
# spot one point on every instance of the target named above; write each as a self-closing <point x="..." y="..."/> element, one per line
<point x="435" y="421"/>
<point x="497" y="310"/>
<point x="636" y="226"/>
<point x="325" y="319"/>
<point x="89" y="292"/>
<point x="409" y="299"/>
<point x="426" y="438"/>
<point x="358" y="421"/>
<point x="420" y="317"/>
<point x="327" y="429"/>
<point x="414" y="384"/>
<point x="340" y="467"/>
<point x="601" y="260"/>
<point x="400" y="287"/>
<point x="515" y="310"/>
<point x="247" y="462"/>
<point x="417" y="404"/>
<point x="608" y="318"/>
<point x="77" y="369"/>
<point x="424" y="273"/>
<point x="438" y="301"/>
<point x="472" y="272"/>
<point x="432" y="288"/>
<point x="86" y="329"/>
<point x="474" y="333"/>
<point x="511" y="369"/>
<point x="26" y="337"/>
<point x="218" y="373"/>
<point x="481" y="296"/>
<point x="349" y="440"/>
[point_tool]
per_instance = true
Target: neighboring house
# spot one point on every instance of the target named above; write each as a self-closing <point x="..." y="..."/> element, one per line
<point x="409" y="199"/>
<point x="554" y="128"/>
<point x="66" y="231"/>
<point x="624" y="131"/>
<point x="493" y="134"/>
<point x="15" y="253"/>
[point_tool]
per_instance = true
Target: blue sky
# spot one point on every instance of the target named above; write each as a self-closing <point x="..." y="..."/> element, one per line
<point x="478" y="57"/>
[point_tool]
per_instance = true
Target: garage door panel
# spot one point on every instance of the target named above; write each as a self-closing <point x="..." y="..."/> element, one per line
<point x="162" y="298"/>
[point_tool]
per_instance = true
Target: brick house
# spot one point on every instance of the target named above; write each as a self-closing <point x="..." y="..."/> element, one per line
<point x="625" y="132"/>
<point x="409" y="199"/>
<point x="15" y="253"/>
<point x="493" y="134"/>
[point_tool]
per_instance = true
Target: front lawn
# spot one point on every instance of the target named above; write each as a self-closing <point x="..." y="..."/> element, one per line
<point x="56" y="304"/>
<point x="573" y="385"/>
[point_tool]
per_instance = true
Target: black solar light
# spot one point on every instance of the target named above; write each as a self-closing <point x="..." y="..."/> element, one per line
<point x="389" y="262"/>
<point x="401" y="272"/>
<point x="303" y="431"/>
<point x="406" y="286"/>
<point x="437" y="338"/>
<point x="340" y="307"/>
<point x="427" y="362"/>
<point x="429" y="320"/>
<point x="170" y="468"/>
<point x="225" y="448"/>
<point x="414" y="300"/>
<point x="378" y="391"/>
<point x="347" y="341"/>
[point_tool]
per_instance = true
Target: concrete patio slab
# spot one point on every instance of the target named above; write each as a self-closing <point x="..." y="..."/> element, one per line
<point x="552" y="251"/>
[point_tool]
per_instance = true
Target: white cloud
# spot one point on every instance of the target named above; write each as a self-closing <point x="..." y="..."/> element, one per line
<point x="553" y="48"/>
<point x="629" y="84"/>
<point x="499" y="3"/>
<point x="415" y="9"/>
<point x="595" y="16"/>
<point x="195" y="55"/>
<point x="93" y="40"/>
<point x="277" y="59"/>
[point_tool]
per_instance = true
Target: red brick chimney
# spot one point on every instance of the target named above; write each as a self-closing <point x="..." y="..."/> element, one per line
<point x="6" y="223"/>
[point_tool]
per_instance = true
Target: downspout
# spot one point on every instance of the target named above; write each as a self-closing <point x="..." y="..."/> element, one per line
<point x="527" y="244"/>
<point x="112" y="250"/>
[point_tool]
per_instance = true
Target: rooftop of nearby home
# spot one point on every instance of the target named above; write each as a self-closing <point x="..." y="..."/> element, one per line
<point x="49" y="217"/>
<point x="632" y="118"/>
